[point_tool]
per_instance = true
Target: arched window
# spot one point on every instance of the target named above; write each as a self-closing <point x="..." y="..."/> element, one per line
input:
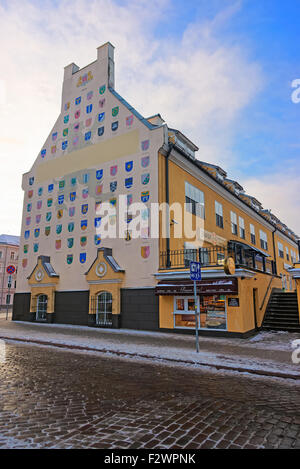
<point x="41" y="307"/>
<point x="104" y="309"/>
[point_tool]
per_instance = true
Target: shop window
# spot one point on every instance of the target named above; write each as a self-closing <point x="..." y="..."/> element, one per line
<point x="212" y="312"/>
<point x="194" y="200"/>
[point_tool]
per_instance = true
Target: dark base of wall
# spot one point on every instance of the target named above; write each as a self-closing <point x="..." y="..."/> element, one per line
<point x="72" y="307"/>
<point x="21" y="307"/>
<point x="139" y="309"/>
<point x="220" y="334"/>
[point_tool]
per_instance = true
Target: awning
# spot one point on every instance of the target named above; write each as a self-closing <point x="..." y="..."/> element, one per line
<point x="221" y="286"/>
<point x="249" y="248"/>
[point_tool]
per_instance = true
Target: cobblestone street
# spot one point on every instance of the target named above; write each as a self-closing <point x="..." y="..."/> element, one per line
<point x="61" y="399"/>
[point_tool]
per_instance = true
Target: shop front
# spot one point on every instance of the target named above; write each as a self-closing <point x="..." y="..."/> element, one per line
<point x="177" y="301"/>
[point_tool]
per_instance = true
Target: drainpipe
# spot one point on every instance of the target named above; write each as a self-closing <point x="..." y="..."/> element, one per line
<point x="171" y="146"/>
<point x="274" y="251"/>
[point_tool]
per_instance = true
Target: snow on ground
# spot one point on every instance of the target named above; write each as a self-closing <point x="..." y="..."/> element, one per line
<point x="267" y="351"/>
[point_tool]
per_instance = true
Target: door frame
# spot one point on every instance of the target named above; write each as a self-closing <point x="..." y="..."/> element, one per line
<point x="105" y="321"/>
<point x="45" y="309"/>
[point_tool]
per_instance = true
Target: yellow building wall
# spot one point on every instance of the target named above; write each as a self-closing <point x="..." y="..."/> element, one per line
<point x="177" y="179"/>
<point x="45" y="287"/>
<point x="49" y="291"/>
<point x="111" y="282"/>
<point x="239" y="319"/>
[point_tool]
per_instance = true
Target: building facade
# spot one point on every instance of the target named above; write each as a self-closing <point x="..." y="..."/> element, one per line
<point x="98" y="246"/>
<point x="9" y="254"/>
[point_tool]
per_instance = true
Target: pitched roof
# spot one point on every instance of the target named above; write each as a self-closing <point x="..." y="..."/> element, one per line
<point x="10" y="239"/>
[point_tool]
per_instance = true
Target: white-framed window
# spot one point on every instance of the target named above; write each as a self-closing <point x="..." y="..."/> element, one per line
<point x="212" y="308"/>
<point x="287" y="253"/>
<point x="252" y="234"/>
<point x="190" y="254"/>
<point x="280" y="250"/>
<point x="194" y="200"/>
<point x="219" y="214"/>
<point x="233" y="219"/>
<point x="294" y="256"/>
<point x="242" y="227"/>
<point x="185" y="304"/>
<point x="263" y="240"/>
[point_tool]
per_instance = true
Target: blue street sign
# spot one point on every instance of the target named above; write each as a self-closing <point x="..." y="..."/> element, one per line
<point x="195" y="271"/>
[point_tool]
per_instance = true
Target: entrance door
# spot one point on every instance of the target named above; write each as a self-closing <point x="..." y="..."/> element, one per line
<point x="104" y="309"/>
<point x="41" y="308"/>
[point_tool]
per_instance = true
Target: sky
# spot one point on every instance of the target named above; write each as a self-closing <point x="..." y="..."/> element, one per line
<point x="222" y="72"/>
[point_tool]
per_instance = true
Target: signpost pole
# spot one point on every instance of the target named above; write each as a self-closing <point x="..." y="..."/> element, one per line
<point x="9" y="286"/>
<point x="195" y="274"/>
<point x="196" y="317"/>
<point x="10" y="270"/>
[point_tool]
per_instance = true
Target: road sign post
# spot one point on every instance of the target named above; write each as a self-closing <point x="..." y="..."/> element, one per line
<point x="10" y="270"/>
<point x="195" y="274"/>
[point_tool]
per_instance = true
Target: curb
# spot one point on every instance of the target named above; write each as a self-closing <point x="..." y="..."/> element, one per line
<point x="267" y="373"/>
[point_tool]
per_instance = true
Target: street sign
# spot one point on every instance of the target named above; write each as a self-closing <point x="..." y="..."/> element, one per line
<point x="11" y="269"/>
<point x="195" y="271"/>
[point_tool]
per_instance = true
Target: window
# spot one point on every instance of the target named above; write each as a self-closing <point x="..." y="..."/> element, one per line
<point x="194" y="199"/>
<point x="263" y="240"/>
<point x="204" y="256"/>
<point x="252" y="234"/>
<point x="8" y="299"/>
<point x="12" y="256"/>
<point x="0" y="254"/>
<point x="104" y="309"/>
<point x="233" y="219"/>
<point x="212" y="312"/>
<point x="190" y="254"/>
<point x="242" y="227"/>
<point x="280" y="250"/>
<point x="219" y="214"/>
<point x="293" y="256"/>
<point x="287" y="254"/>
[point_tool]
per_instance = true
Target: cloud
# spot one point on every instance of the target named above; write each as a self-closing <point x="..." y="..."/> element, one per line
<point x="198" y="81"/>
<point x="276" y="191"/>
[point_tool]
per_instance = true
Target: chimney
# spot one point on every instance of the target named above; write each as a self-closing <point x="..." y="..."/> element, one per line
<point x="69" y="70"/>
<point x="105" y="58"/>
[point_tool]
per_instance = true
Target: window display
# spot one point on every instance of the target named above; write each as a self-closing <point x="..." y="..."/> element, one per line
<point x="212" y="312"/>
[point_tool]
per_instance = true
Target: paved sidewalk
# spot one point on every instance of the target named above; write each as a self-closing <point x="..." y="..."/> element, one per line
<point x="268" y="353"/>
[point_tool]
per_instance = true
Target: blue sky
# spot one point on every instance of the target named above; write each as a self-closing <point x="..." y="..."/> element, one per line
<point x="220" y="71"/>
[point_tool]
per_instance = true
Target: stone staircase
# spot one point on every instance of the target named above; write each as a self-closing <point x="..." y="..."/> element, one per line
<point x="282" y="313"/>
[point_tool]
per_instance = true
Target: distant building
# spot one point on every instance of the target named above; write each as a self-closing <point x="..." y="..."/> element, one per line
<point x="9" y="254"/>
